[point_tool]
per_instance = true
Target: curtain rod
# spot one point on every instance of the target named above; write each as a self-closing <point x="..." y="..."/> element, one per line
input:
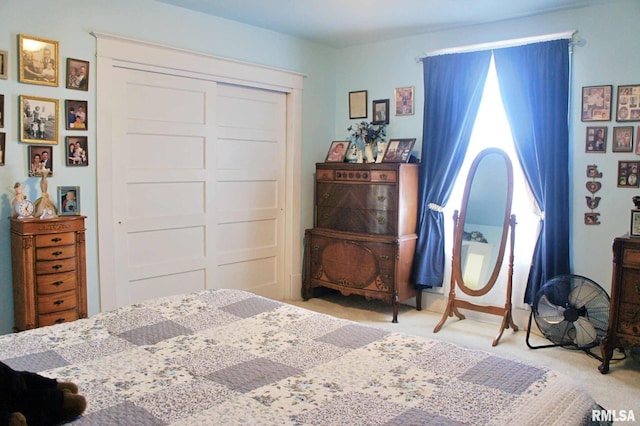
<point x="572" y="35"/>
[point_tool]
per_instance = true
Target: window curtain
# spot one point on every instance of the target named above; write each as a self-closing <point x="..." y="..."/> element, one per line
<point x="534" y="85"/>
<point x="453" y="88"/>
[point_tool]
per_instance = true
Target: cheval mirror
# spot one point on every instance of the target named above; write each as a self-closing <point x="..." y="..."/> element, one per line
<point x="480" y="238"/>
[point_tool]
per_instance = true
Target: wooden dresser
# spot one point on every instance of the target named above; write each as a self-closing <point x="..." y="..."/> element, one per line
<point x="364" y="237"/>
<point x="49" y="271"/>
<point x="624" y="312"/>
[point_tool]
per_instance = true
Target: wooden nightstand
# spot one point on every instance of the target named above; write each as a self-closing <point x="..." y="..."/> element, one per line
<point x="624" y="312"/>
<point x="49" y="271"/>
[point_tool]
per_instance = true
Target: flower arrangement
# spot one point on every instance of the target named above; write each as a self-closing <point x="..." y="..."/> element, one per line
<point x="370" y="133"/>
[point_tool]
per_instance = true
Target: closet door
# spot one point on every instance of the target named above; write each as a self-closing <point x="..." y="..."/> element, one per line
<point x="197" y="176"/>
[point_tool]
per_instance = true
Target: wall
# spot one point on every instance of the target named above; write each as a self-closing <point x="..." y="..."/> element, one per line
<point x="71" y="25"/>
<point x="606" y="55"/>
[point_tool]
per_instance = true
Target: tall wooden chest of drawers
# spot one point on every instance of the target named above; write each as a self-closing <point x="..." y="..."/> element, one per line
<point x="364" y="237"/>
<point x="624" y="311"/>
<point x="49" y="271"/>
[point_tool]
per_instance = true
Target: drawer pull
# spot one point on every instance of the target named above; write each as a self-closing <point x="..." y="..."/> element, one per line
<point x="382" y="220"/>
<point x="384" y="176"/>
<point x="57" y="283"/>
<point x="56" y="253"/>
<point x="56" y="240"/>
<point x="59" y="321"/>
<point x="384" y="257"/>
<point x="56" y="267"/>
<point x="58" y="302"/>
<point x="326" y="195"/>
<point x="316" y="247"/>
<point x="382" y="198"/>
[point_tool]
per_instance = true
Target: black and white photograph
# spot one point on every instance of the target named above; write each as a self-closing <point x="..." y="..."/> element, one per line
<point x="38" y="120"/>
<point x="38" y="60"/>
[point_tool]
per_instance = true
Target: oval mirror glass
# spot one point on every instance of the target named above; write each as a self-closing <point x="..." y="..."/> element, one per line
<point x="483" y="226"/>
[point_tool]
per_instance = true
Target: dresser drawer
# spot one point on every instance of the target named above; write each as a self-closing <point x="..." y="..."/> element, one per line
<point x="376" y="197"/>
<point x="49" y="240"/>
<point x="356" y="220"/>
<point x="56" y="302"/>
<point x="630" y="288"/>
<point x="54" y="252"/>
<point x="629" y="319"/>
<point x="55" y="266"/>
<point x="57" y="317"/>
<point x="631" y="257"/>
<point x="54" y="283"/>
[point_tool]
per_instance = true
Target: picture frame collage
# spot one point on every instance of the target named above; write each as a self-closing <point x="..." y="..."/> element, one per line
<point x="39" y="117"/>
<point x="394" y="150"/>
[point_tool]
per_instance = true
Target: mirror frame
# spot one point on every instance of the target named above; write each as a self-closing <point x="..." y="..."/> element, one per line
<point x="459" y="228"/>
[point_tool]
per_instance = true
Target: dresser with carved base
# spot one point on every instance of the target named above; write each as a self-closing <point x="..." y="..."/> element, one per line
<point x="364" y="237"/>
<point x="49" y="271"/>
<point x="624" y="308"/>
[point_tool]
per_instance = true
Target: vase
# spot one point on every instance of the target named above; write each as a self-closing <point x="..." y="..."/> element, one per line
<point x="369" y="157"/>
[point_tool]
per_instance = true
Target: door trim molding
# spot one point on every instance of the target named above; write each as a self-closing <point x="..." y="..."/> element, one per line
<point x="120" y="52"/>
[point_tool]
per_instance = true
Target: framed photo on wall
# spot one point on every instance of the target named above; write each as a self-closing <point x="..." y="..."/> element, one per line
<point x="77" y="77"/>
<point x="596" y="103"/>
<point x="76" y="115"/>
<point x="1" y="111"/>
<point x="76" y="153"/>
<point x="404" y="100"/>
<point x="358" y="104"/>
<point x="3" y="147"/>
<point x="40" y="158"/>
<point x="337" y="152"/>
<point x="398" y="151"/>
<point x="69" y="200"/>
<point x="596" y="140"/>
<point x="38" y="120"/>
<point x="628" y="105"/>
<point x="628" y="174"/>
<point x="622" y="139"/>
<point x="4" y="64"/>
<point x="38" y="60"/>
<point x="380" y="111"/>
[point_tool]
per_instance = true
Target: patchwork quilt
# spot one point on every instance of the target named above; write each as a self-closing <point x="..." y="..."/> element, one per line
<point x="231" y="357"/>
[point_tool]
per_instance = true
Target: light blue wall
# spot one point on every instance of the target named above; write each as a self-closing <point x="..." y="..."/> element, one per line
<point x="70" y="23"/>
<point x="607" y="55"/>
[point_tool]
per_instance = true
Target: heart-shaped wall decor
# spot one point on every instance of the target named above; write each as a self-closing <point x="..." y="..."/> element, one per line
<point x="593" y="186"/>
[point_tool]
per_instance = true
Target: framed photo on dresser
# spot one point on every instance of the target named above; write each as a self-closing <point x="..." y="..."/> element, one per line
<point x="398" y="150"/>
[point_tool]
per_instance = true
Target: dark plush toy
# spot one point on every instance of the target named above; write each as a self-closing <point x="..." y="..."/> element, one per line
<point x="31" y="399"/>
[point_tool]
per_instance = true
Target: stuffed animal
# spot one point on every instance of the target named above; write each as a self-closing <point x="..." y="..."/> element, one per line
<point x="28" y="398"/>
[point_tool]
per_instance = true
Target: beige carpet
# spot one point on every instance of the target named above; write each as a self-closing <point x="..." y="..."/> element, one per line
<point x="617" y="390"/>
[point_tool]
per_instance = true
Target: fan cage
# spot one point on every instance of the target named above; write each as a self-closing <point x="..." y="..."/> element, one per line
<point x="571" y="311"/>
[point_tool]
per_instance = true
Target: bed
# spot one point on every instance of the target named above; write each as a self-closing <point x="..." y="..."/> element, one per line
<point x="231" y="357"/>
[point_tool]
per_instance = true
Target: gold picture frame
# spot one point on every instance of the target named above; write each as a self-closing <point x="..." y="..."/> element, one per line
<point x="39" y="120"/>
<point x="358" y="104"/>
<point x="38" y="60"/>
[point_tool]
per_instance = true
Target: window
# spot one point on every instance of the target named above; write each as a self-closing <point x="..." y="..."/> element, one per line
<point x="492" y="130"/>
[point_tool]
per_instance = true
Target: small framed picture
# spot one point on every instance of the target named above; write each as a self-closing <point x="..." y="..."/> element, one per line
<point x="3" y="147"/>
<point x="77" y="74"/>
<point x="628" y="105"/>
<point x="38" y="60"/>
<point x="381" y="111"/>
<point x="358" y="104"/>
<point x="69" y="200"/>
<point x="592" y="218"/>
<point x="628" y="174"/>
<point x="622" y="139"/>
<point x="76" y="113"/>
<point x="1" y="111"/>
<point x="40" y="159"/>
<point x="404" y="100"/>
<point x="634" y="228"/>
<point x="596" y="103"/>
<point x="398" y="150"/>
<point x="592" y="171"/>
<point x="4" y="64"/>
<point x="38" y="120"/>
<point x="596" y="140"/>
<point x="77" y="153"/>
<point x="337" y="152"/>
<point x="638" y="141"/>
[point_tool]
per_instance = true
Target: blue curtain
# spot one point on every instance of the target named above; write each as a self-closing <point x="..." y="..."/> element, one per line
<point x="453" y="87"/>
<point x="534" y="85"/>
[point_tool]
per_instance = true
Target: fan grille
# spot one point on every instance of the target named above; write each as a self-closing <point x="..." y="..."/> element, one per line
<point x="572" y="311"/>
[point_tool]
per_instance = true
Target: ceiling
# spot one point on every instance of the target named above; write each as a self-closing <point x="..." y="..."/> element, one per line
<point x="343" y="23"/>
